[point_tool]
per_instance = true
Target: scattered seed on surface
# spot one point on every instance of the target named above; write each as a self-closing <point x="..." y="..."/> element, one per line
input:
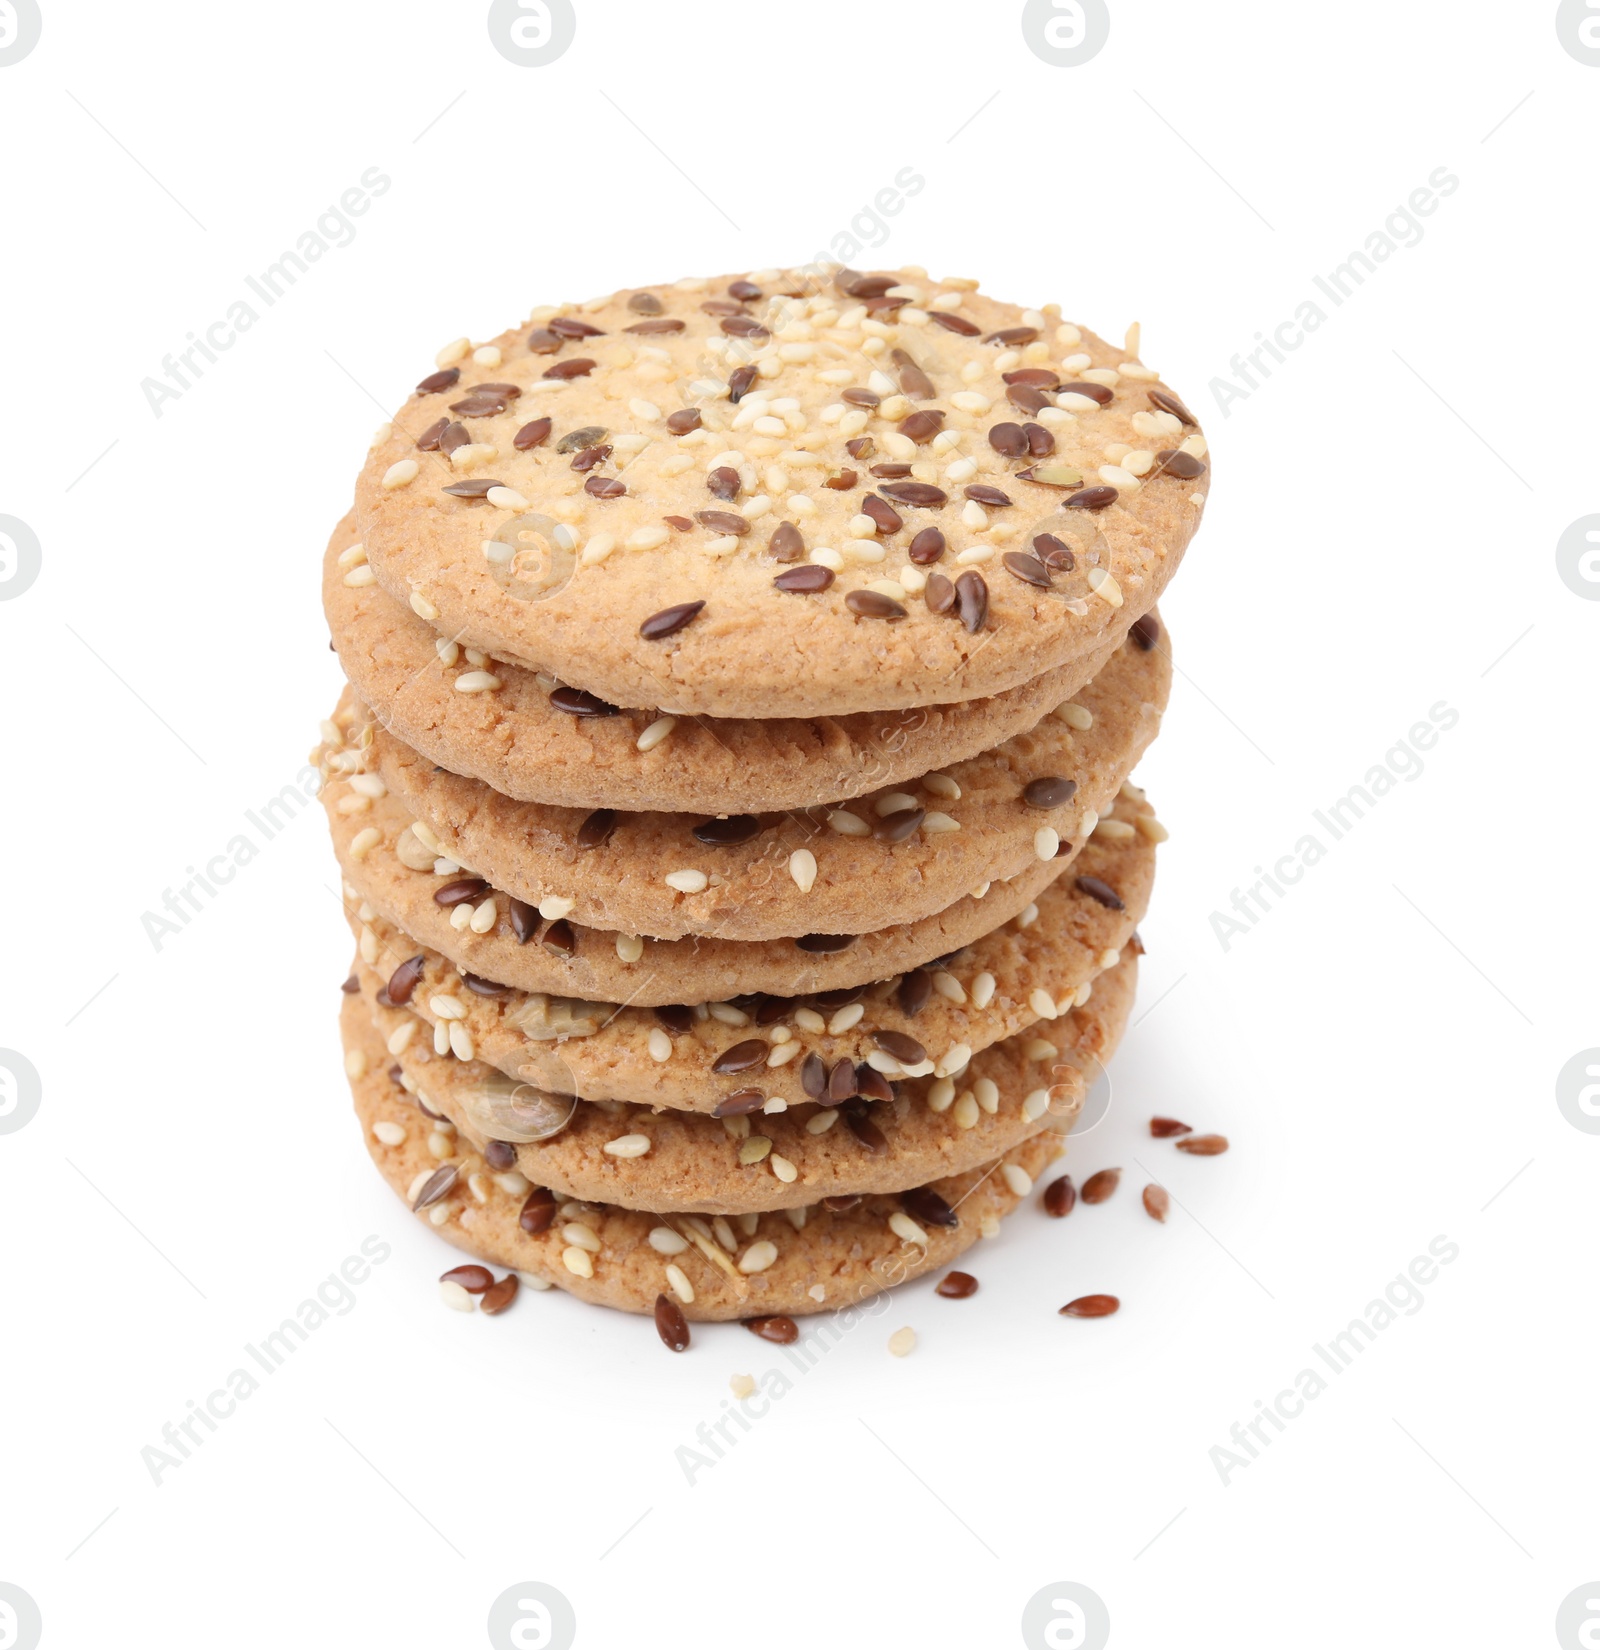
<point x="498" y="1296"/>
<point x="1156" y="1202"/>
<point x="1203" y="1145"/>
<point x="1091" y="1306"/>
<point x="1100" y="1185"/>
<point x="781" y="1330"/>
<point x="671" y="1325"/>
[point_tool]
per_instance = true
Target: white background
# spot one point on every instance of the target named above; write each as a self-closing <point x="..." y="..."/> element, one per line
<point x="1382" y="1048"/>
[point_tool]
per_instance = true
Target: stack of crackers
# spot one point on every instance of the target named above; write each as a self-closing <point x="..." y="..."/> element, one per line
<point x="732" y="785"/>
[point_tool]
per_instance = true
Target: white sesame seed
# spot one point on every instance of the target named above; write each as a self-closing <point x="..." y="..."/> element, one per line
<point x="471" y="455"/>
<point x="358" y="577"/>
<point x="845" y="1018"/>
<point x="940" y="1093"/>
<point x="628" y="1145"/>
<point x="452" y="352"/>
<point x="352" y="557"/>
<point x="1042" y="1003"/>
<point x="1075" y="716"/>
<point x="447" y="1008"/>
<point x="687" y="881"/>
<point x="441" y="1038"/>
<point x="758" y="1257"/>
<point x="455" y="1297"/>
<point x="647" y="538"/>
<point x="938" y="824"/>
<point x="399" y="1040"/>
<point x="655" y="733"/>
<point x="1040" y="1048"/>
<point x="809" y="1020"/>
<point x="665" y="1241"/>
<point x="461" y="1044"/>
<point x="982" y="889"/>
<point x="581" y="1237"/>
<point x="598" y="548"/>
<point x="906" y="1229"/>
<point x="822" y="1121"/>
<point x="1151" y="828"/>
<point x="954" y="1060"/>
<point x="754" y="1149"/>
<point x="964" y="1114"/>
<point x="781" y="1055"/>
<point x="970" y="401"/>
<point x="728" y="1015"/>
<point x="803" y="869"/>
<point x="483" y="916"/>
<point x="577" y="1262"/>
<point x="1017" y="1178"/>
<point x="1045" y="842"/>
<point x="1114" y="830"/>
<point x="903" y="1342"/>
<point x="354" y="804"/>
<point x="389" y="1134"/>
<point x="1036" y="1105"/>
<point x="987" y="1093"/>
<point x="401" y="473"/>
<point x="974" y="515"/>
<point x="741" y="1386"/>
<point x="848" y="824"/>
<point x="949" y="987"/>
<point x="630" y="948"/>
<point x="478" y="681"/>
<point x="1105" y="587"/>
<point x="681" y="1287"/>
<point x="894" y="802"/>
<point x="646" y="410"/>
<point x="975" y="555"/>
<point x="660" y="1045"/>
<point x="368" y="784"/>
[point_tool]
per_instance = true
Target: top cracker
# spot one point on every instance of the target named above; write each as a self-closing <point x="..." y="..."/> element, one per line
<point x="790" y="493"/>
